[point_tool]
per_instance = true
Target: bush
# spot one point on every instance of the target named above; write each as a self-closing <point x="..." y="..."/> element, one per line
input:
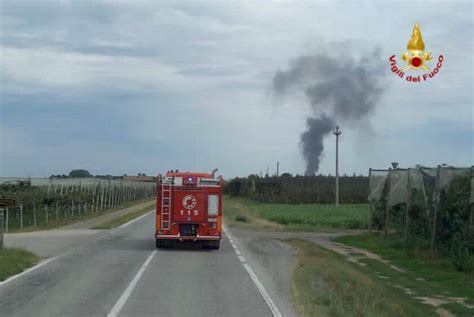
<point x="453" y="231"/>
<point x="454" y="214"/>
<point x="241" y="218"/>
<point x="460" y="256"/>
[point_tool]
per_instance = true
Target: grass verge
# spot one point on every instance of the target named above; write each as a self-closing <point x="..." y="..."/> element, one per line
<point x="14" y="261"/>
<point x="125" y="218"/>
<point x="425" y="277"/>
<point x="309" y="217"/>
<point x="325" y="284"/>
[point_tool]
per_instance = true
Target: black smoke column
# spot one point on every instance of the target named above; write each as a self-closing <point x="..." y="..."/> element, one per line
<point x="312" y="141"/>
<point x="338" y="88"/>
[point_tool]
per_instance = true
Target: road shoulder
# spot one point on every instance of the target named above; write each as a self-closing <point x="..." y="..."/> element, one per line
<point x="107" y="218"/>
<point x="13" y="261"/>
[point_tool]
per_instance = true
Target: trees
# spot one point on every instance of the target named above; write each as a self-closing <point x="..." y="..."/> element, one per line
<point x="79" y="173"/>
<point x="299" y="189"/>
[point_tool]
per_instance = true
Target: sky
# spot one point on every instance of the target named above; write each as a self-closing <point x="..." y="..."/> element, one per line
<point x="122" y="87"/>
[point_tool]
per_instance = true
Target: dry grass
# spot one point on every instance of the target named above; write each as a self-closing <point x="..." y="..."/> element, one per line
<point x="325" y="284"/>
<point x="114" y="223"/>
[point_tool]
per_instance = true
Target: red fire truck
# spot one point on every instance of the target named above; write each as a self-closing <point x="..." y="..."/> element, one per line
<point x="189" y="208"/>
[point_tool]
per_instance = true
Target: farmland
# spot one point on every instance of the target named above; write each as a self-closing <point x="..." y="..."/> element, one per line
<point x="43" y="204"/>
<point x="423" y="283"/>
<point x="296" y="217"/>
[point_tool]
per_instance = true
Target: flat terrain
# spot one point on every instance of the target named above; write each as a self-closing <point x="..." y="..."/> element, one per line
<point x="83" y="220"/>
<point x="111" y="216"/>
<point x="88" y="277"/>
<point x="365" y="275"/>
<point x="433" y="280"/>
<point x="263" y="268"/>
<point x="302" y="217"/>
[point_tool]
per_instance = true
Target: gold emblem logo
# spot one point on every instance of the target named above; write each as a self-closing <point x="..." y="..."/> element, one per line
<point x="416" y="55"/>
<point x="416" y="58"/>
<point x="189" y="202"/>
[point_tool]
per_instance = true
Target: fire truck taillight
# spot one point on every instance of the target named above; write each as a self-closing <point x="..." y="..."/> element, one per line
<point x="212" y="205"/>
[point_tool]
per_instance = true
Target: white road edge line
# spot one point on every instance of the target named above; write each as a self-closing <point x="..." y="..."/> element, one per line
<point x="128" y="291"/>
<point x="37" y="266"/>
<point x="255" y="280"/>
<point x="133" y="220"/>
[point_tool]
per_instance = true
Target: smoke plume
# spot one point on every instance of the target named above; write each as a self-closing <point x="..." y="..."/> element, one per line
<point x="339" y="89"/>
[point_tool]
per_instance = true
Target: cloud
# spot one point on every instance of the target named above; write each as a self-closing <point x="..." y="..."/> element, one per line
<point x="49" y="69"/>
<point x="152" y="85"/>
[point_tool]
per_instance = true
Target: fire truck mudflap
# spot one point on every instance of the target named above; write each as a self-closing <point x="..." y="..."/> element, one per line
<point x="189" y="208"/>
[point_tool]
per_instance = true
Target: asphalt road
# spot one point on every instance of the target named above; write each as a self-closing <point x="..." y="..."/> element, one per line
<point x="120" y="272"/>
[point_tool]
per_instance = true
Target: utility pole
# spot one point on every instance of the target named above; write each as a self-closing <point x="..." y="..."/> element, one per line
<point x="1" y="228"/>
<point x="278" y="169"/>
<point x="267" y="173"/>
<point x="337" y="132"/>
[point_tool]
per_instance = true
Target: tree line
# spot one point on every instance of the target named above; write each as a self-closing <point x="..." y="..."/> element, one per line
<point x="299" y="189"/>
<point x="82" y="173"/>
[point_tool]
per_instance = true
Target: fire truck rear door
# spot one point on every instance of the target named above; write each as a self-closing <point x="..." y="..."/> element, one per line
<point x="190" y="206"/>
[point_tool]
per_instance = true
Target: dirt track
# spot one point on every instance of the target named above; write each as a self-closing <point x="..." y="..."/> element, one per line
<point x="90" y="223"/>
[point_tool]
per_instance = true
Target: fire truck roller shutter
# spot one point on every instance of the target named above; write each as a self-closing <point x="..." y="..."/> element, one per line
<point x="212" y="205"/>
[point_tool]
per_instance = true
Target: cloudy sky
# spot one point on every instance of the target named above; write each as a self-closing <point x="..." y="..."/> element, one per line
<point x="145" y="86"/>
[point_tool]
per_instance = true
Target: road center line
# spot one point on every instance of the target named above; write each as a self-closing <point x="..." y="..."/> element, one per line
<point x="128" y="291"/>
<point x="271" y="305"/>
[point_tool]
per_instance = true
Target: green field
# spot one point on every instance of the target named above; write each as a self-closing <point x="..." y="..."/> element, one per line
<point x="298" y="217"/>
<point x="350" y="290"/>
<point x="14" y="261"/>
<point x="426" y="276"/>
<point x="325" y="284"/>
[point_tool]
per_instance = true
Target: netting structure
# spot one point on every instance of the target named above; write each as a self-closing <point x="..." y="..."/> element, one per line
<point x="40" y="201"/>
<point x="422" y="204"/>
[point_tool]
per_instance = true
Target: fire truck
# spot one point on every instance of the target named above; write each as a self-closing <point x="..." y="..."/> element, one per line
<point x="189" y="208"/>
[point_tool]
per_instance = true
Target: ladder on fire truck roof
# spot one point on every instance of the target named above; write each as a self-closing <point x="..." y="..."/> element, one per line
<point x="166" y="189"/>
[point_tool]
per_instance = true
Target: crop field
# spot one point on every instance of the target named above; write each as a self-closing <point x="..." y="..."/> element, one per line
<point x="350" y="216"/>
<point x="307" y="216"/>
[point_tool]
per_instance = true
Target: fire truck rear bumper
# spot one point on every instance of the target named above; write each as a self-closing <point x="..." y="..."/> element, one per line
<point x="186" y="238"/>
